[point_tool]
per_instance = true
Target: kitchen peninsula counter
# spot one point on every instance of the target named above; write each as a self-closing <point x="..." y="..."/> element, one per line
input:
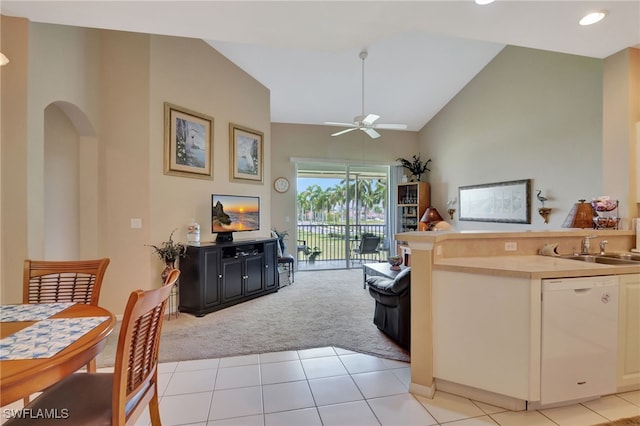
<point x="504" y="257"/>
<point x="531" y="266"/>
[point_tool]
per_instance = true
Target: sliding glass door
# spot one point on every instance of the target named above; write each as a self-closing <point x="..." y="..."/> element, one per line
<point x="338" y="203"/>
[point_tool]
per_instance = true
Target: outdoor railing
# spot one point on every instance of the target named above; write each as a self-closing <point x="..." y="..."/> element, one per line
<point x="331" y="240"/>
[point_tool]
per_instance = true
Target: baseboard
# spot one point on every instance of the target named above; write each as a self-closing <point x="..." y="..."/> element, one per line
<point x="507" y="402"/>
<point x="422" y="390"/>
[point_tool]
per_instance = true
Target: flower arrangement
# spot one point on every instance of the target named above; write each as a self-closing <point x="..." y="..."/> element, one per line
<point x="169" y="251"/>
<point x="415" y="165"/>
<point x="604" y="204"/>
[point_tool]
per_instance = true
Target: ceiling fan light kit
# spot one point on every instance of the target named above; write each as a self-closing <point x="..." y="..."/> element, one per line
<point x="363" y="122"/>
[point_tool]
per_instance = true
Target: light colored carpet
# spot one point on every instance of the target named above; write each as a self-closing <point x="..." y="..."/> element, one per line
<point x="630" y="421"/>
<point x="322" y="308"/>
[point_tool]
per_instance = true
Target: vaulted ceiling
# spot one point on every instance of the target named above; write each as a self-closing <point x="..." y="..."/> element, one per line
<point x="421" y="53"/>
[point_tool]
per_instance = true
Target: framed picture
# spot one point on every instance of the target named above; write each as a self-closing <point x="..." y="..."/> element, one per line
<point x="246" y="153"/>
<point x="188" y="143"/>
<point x="507" y="202"/>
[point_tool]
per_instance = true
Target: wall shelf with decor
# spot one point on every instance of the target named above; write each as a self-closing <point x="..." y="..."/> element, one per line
<point x="413" y="198"/>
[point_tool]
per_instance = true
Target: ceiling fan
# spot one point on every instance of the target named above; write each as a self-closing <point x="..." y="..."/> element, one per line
<point x="363" y="122"/>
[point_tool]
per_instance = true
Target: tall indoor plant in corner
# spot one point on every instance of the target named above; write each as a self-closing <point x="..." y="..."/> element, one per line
<point x="169" y="252"/>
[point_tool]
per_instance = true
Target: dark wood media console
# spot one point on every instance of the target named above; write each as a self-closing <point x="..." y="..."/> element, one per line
<point x="215" y="276"/>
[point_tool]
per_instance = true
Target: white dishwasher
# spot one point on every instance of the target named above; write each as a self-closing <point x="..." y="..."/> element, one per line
<point x="579" y="338"/>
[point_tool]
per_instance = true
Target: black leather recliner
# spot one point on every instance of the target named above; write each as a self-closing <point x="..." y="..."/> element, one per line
<point x="392" y="313"/>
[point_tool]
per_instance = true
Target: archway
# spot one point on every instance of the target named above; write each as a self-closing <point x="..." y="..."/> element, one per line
<point x="70" y="183"/>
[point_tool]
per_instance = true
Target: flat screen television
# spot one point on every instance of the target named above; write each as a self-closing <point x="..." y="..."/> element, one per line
<point x="234" y="213"/>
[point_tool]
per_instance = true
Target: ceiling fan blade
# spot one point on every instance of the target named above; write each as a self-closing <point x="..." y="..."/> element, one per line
<point x="342" y="132"/>
<point x="391" y="126"/>
<point x="369" y="119"/>
<point x="372" y="133"/>
<point x="333" y="123"/>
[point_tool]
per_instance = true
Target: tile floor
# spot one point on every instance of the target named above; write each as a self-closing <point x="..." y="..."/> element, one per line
<point x="332" y="386"/>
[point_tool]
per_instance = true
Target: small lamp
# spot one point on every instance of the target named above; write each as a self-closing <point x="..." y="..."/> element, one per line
<point x="580" y="216"/>
<point x="430" y="217"/>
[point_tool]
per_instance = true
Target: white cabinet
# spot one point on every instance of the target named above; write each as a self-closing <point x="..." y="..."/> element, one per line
<point x="629" y="333"/>
<point x="486" y="333"/>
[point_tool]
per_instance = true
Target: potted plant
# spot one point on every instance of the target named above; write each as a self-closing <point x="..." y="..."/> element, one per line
<point x="169" y="252"/>
<point x="312" y="253"/>
<point x="415" y="166"/>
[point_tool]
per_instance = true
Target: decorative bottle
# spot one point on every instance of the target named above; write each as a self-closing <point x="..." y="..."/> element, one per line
<point x="193" y="232"/>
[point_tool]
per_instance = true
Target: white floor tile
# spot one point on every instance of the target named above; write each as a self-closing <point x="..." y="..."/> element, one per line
<point x="237" y="377"/>
<point x="239" y="421"/>
<point x="446" y="407"/>
<point x="341" y="351"/>
<point x="403" y="374"/>
<point x="279" y="356"/>
<point x="633" y="397"/>
<point x="287" y="396"/>
<point x="163" y="382"/>
<point x="235" y="361"/>
<point x="323" y="367"/>
<point x="613" y="407"/>
<point x="316" y="352"/>
<point x="304" y="417"/>
<point x="400" y="410"/>
<point x="183" y="409"/>
<point x="279" y="372"/>
<point x="191" y="381"/>
<point x="167" y="367"/>
<point x="488" y="408"/>
<point x="521" y="418"/>
<point x="347" y="414"/>
<point x="573" y="415"/>
<point x="334" y="390"/>
<point x="379" y="383"/>
<point x="239" y="402"/>
<point x="198" y="364"/>
<point x="474" y="421"/>
<point x="362" y="363"/>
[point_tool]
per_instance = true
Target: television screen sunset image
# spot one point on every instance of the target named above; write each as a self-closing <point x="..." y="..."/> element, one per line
<point x="230" y="213"/>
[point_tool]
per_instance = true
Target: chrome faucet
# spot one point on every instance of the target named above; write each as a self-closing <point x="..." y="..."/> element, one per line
<point x="603" y="246"/>
<point x="586" y="245"/>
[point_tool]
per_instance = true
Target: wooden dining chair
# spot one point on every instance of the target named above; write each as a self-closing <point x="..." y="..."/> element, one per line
<point x="117" y="398"/>
<point x="49" y="281"/>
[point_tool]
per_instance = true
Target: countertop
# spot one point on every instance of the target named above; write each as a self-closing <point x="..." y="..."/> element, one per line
<point x="531" y="266"/>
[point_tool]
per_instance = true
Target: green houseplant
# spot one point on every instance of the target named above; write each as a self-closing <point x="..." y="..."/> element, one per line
<point x="312" y="253"/>
<point x="169" y="251"/>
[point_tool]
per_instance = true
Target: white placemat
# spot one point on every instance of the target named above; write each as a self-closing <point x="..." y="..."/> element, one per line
<point x="46" y="338"/>
<point x="31" y="312"/>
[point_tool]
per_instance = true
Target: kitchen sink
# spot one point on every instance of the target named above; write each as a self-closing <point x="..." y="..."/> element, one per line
<point x="604" y="259"/>
<point x="623" y="256"/>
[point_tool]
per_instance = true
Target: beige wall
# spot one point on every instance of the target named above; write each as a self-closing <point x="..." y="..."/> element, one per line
<point x="112" y="86"/>
<point x="315" y="142"/>
<point x="621" y="114"/>
<point x="529" y="114"/>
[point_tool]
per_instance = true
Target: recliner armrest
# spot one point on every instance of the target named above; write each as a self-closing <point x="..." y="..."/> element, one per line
<point x="389" y="286"/>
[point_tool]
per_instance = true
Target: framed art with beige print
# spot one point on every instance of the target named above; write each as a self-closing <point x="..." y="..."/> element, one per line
<point x="188" y="145"/>
<point x="246" y="147"/>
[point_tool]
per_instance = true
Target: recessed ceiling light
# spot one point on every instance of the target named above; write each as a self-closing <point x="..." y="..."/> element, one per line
<point x="483" y="2"/>
<point x="593" y="17"/>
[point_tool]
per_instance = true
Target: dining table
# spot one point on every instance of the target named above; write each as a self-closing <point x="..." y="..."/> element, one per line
<point x="41" y="344"/>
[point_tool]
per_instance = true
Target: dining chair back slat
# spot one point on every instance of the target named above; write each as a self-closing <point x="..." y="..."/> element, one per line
<point x="79" y="281"/>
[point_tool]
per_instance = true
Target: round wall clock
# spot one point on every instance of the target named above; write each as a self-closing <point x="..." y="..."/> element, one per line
<point x="281" y="184"/>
